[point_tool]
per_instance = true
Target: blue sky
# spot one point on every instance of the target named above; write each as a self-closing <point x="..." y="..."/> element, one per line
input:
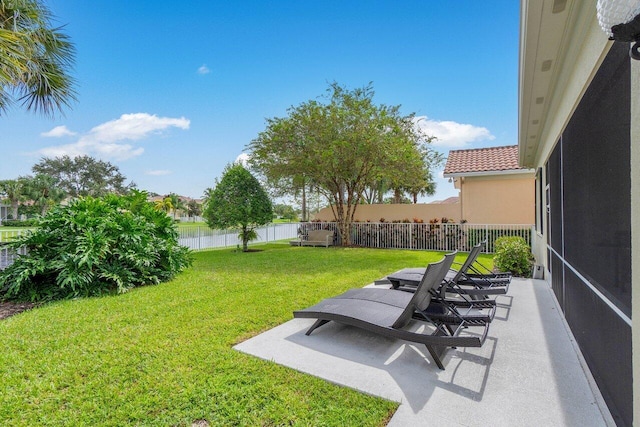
<point x="171" y="92"/>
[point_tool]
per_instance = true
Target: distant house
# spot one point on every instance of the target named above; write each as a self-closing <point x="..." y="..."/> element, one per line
<point x="579" y="104"/>
<point x="494" y="189"/>
<point x="4" y="211"/>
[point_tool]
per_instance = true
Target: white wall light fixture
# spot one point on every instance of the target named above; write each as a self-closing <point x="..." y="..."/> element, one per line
<point x="620" y="19"/>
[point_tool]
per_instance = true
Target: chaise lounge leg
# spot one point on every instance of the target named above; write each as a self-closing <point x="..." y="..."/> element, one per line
<point x="438" y="352"/>
<point x="437" y="355"/>
<point x="316" y="325"/>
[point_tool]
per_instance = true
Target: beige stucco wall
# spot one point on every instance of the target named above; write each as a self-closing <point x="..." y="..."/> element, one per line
<point x="498" y="199"/>
<point x="423" y="211"/>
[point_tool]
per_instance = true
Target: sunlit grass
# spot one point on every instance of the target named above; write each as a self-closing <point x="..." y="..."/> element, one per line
<point x="162" y="355"/>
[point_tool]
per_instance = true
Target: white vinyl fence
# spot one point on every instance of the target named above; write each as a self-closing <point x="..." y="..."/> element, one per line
<point x="424" y="236"/>
<point x="7" y="256"/>
<point x="205" y="238"/>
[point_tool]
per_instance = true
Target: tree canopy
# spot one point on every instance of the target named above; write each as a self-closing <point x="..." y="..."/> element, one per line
<point x="344" y="147"/>
<point x="238" y="201"/>
<point x="35" y="59"/>
<point x="83" y="175"/>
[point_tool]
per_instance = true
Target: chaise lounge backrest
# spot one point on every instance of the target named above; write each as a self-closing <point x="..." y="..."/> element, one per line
<point x="473" y="255"/>
<point x="422" y="297"/>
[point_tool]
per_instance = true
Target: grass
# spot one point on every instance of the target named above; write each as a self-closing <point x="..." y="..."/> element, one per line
<point x="162" y="355"/>
<point x="191" y="224"/>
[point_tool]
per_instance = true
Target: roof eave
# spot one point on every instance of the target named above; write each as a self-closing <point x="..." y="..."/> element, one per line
<point x="490" y="173"/>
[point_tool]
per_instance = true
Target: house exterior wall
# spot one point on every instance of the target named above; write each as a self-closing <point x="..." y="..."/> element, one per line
<point x="400" y="212"/>
<point x="606" y="326"/>
<point x="501" y="199"/>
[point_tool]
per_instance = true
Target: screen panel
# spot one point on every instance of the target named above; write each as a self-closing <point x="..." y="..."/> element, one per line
<point x="597" y="184"/>
<point x="605" y="341"/>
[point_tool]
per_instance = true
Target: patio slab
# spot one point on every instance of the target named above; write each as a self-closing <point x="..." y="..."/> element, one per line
<point x="527" y="373"/>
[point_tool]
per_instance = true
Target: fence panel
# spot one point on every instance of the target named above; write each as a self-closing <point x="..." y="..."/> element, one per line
<point x="197" y="238"/>
<point x="435" y="237"/>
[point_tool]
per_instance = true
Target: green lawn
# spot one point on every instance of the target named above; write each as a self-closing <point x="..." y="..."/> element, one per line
<point x="161" y="355"/>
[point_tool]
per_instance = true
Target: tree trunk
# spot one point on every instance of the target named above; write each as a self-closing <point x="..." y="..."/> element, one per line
<point x="245" y="239"/>
<point x="305" y="216"/>
<point x="397" y="196"/>
<point x="14" y="208"/>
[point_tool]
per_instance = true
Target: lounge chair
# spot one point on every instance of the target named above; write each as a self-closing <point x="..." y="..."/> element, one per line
<point x="441" y="309"/>
<point x="393" y="321"/>
<point x="460" y="281"/>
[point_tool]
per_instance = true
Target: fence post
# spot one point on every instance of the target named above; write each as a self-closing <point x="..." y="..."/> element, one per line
<point x="199" y="239"/>
<point x="411" y="230"/>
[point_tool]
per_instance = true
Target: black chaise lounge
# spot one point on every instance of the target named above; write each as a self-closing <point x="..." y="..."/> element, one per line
<point x="440" y="309"/>
<point x="460" y="281"/>
<point x="393" y="321"/>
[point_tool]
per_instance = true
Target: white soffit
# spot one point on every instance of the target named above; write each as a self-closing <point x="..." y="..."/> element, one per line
<point x="542" y="31"/>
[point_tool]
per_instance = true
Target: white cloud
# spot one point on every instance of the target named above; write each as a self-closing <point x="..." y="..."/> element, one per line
<point x="203" y="69"/>
<point x="57" y="132"/>
<point x="158" y="172"/>
<point x="134" y="126"/>
<point x="242" y="159"/>
<point x="71" y="150"/>
<point x="105" y="140"/>
<point x="452" y="134"/>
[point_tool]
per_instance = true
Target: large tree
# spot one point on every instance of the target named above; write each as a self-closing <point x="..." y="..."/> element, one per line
<point x="343" y="147"/>
<point x="238" y="201"/>
<point x="35" y="59"/>
<point x="83" y="175"/>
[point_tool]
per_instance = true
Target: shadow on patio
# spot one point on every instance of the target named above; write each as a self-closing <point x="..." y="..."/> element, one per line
<point x="528" y="372"/>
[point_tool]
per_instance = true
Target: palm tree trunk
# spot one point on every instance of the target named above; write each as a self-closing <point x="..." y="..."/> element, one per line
<point x="245" y="239"/>
<point x="305" y="216"/>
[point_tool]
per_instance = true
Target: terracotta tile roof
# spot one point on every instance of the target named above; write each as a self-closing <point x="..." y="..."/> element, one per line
<point x="482" y="160"/>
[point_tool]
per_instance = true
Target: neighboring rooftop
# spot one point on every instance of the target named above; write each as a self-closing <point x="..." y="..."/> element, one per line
<point x="454" y="199"/>
<point x="489" y="159"/>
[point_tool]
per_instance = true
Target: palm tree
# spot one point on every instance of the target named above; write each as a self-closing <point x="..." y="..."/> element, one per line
<point x="14" y="190"/>
<point x="34" y="59"/>
<point x="176" y="203"/>
<point x="164" y="204"/>
<point x="43" y="191"/>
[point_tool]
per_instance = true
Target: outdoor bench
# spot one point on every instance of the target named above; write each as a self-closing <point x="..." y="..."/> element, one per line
<point x="315" y="238"/>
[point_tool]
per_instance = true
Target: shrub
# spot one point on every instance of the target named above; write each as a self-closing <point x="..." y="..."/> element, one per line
<point x="92" y="247"/>
<point x="19" y="222"/>
<point x="513" y="254"/>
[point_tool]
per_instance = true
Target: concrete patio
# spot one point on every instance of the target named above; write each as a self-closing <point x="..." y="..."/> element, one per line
<point x="528" y="372"/>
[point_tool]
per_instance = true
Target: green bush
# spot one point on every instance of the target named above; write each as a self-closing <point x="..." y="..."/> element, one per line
<point x="477" y="235"/>
<point x="92" y="247"/>
<point x="513" y="254"/>
<point x="19" y="222"/>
